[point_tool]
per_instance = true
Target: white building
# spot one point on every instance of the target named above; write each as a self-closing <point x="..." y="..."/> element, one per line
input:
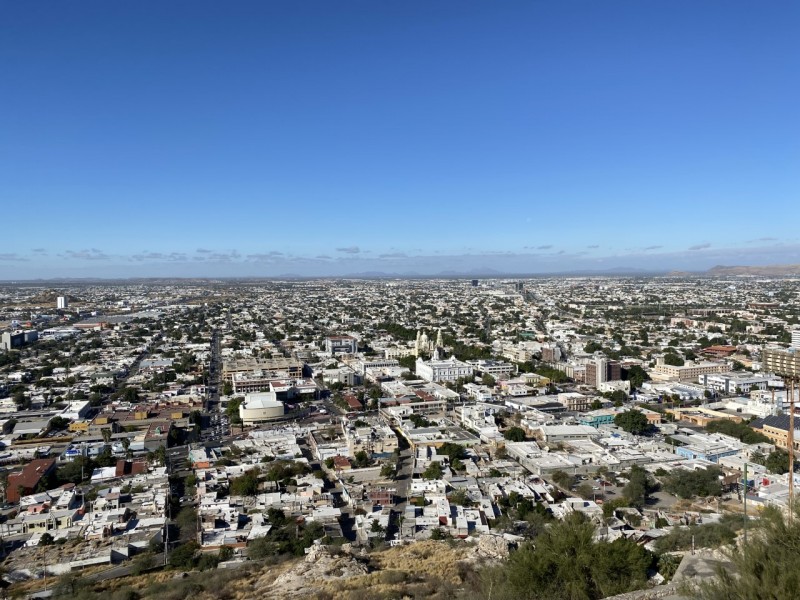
<point x="342" y="344"/>
<point x="737" y="383"/>
<point x="450" y="369"/>
<point x="62" y="302"/>
<point x="687" y="372"/>
<point x="495" y="368"/>
<point x="260" y="407"/>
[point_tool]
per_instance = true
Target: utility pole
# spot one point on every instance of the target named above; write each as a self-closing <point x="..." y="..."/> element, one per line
<point x="745" y="509"/>
<point x="791" y="449"/>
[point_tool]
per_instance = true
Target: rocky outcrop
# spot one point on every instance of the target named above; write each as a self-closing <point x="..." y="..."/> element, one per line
<point x="305" y="577"/>
<point x="492" y="547"/>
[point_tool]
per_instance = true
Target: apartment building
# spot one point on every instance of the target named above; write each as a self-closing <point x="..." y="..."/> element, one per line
<point x="691" y="371"/>
<point x="783" y="362"/>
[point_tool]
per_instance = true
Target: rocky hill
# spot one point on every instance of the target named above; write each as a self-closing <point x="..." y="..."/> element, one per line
<point x="759" y="271"/>
<point x="429" y="569"/>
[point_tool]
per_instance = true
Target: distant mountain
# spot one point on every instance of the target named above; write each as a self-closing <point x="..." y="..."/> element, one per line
<point x="755" y="271"/>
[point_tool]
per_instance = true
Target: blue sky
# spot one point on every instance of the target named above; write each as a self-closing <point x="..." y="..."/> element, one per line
<point x="320" y="138"/>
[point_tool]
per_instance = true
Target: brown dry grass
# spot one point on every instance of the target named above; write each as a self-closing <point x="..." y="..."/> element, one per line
<point x="426" y="569"/>
<point x="429" y="569"/>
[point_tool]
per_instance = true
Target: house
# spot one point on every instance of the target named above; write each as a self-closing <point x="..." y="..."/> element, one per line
<point x="25" y="482"/>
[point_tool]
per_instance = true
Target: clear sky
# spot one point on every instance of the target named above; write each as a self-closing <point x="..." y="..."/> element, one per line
<point x="152" y="138"/>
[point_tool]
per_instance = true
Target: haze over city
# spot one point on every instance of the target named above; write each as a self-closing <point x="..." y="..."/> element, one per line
<point x="265" y="139"/>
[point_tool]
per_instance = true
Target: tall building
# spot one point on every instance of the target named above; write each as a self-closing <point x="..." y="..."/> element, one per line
<point x="12" y="339"/>
<point x="780" y="361"/>
<point x="601" y="370"/>
<point x="474" y="283"/>
<point x="796" y="338"/>
<point x="62" y="302"/>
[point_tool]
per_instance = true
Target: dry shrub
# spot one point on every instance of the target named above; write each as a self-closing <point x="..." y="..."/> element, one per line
<point x="392" y="577"/>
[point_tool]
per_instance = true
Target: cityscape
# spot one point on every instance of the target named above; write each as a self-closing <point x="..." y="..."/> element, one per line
<point x="412" y="300"/>
<point x="188" y="424"/>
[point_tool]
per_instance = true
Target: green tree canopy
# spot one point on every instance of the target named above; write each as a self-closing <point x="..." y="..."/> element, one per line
<point x="768" y="568"/>
<point x="514" y="434"/>
<point x="636" y="375"/>
<point x="565" y="563"/>
<point x="633" y="421"/>
<point x="639" y="487"/>
<point x="433" y="471"/>
<point x="670" y="358"/>
<point x="700" y="482"/>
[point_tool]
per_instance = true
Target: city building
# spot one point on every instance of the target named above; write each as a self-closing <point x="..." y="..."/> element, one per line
<point x="342" y="344"/>
<point x="25" y="482"/>
<point x="690" y="371"/>
<point x="268" y="367"/>
<point x="449" y="369"/>
<point x="601" y="370"/>
<point x="780" y="361"/>
<point x="495" y="368"/>
<point x="776" y="428"/>
<point x="11" y="340"/>
<point x="62" y="303"/>
<point x="260" y="407"/>
<point x="737" y="382"/>
<point x="574" y="401"/>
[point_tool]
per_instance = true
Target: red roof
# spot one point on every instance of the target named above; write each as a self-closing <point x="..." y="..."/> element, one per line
<point x="353" y="402"/>
<point x="29" y="477"/>
<point x="127" y="467"/>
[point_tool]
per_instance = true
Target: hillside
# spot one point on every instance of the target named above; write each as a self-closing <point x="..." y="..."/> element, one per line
<point x="757" y="271"/>
<point x="429" y="569"/>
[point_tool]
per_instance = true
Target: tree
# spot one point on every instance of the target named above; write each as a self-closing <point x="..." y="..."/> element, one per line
<point x="777" y="462"/>
<point x="488" y="380"/>
<point x="592" y="347"/>
<point x="187" y="519"/>
<point x="433" y="471"/>
<point x="741" y="431"/>
<point x="566" y="563"/>
<point x="225" y="553"/>
<point x="388" y="470"/>
<point x="637" y="376"/>
<point x="362" y="460"/>
<point x="633" y="421"/>
<point x="183" y="557"/>
<point x="46" y="539"/>
<point x="142" y="562"/>
<point x="246" y="484"/>
<point x="419" y="420"/>
<point x="688" y="484"/>
<point x="514" y="434"/>
<point x="562" y="479"/>
<point x="452" y="451"/>
<point x="771" y="562"/>
<point x="596" y="404"/>
<point x="670" y="358"/>
<point x="585" y="491"/>
<point x="639" y="487"/>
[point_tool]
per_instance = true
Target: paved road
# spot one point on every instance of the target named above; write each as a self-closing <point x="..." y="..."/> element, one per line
<point x="214" y="373"/>
<point x="122" y="570"/>
<point x="402" y="483"/>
